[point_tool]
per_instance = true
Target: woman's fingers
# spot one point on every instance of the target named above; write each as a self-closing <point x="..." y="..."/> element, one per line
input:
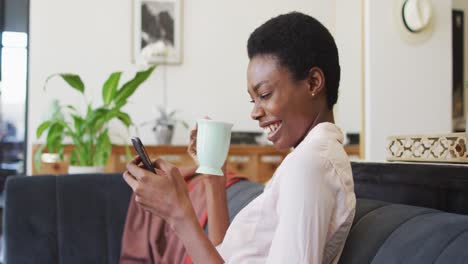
<point x="156" y="164"/>
<point x="131" y="181"/>
<point x="160" y="172"/>
<point x="163" y="165"/>
<point x="193" y="131"/>
<point x="136" y="160"/>
<point x="137" y="171"/>
<point x="192" y="147"/>
<point x="145" y="207"/>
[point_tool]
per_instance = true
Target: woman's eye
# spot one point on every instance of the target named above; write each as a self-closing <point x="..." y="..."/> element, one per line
<point x="265" y="95"/>
<point x="252" y="101"/>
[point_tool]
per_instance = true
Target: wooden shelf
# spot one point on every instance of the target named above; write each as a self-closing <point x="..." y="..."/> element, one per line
<point x="256" y="162"/>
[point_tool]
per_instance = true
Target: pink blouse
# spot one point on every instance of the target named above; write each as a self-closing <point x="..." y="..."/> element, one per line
<point x="305" y="212"/>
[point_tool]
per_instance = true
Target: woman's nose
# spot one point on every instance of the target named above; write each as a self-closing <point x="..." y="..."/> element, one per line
<point x="257" y="112"/>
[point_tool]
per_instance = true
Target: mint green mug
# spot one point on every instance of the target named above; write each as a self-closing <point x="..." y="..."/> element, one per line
<point x="213" y="140"/>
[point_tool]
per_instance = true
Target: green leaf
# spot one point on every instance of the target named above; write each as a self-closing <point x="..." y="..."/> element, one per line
<point x="37" y="157"/>
<point x="79" y="123"/>
<point x="130" y="87"/>
<point x="42" y="127"/>
<point x="90" y="117"/>
<point x="100" y="117"/>
<point x="54" y="137"/>
<point x="60" y="152"/>
<point x="73" y="158"/>
<point x="124" y="118"/>
<point x="74" y="81"/>
<point x="103" y="148"/>
<point x="110" y="87"/>
<point x="71" y="107"/>
<point x="120" y="104"/>
<point x="79" y="154"/>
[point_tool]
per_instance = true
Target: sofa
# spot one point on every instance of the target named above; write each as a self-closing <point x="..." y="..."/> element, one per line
<point x="406" y="213"/>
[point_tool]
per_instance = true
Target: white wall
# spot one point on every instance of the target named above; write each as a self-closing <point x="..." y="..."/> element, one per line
<point x="407" y="86"/>
<point x="94" y="38"/>
<point x="348" y="37"/>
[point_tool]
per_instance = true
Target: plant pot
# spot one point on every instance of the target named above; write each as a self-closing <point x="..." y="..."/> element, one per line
<point x="163" y="134"/>
<point x="85" y="169"/>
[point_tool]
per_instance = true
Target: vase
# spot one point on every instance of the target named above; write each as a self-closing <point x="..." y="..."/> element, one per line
<point x="85" y="169"/>
<point x="163" y="134"/>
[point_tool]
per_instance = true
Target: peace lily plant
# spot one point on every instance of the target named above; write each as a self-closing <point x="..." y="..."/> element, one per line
<point x="88" y="131"/>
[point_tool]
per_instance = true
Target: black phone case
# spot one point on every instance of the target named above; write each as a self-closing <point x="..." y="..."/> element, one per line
<point x="140" y="149"/>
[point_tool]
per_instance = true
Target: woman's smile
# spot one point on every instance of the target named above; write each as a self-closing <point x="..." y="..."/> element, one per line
<point x="272" y="129"/>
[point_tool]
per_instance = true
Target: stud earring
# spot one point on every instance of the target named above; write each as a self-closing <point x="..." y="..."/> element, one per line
<point x="313" y="94"/>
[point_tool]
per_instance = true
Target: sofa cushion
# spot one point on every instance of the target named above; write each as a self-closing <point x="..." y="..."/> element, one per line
<point x="396" y="233"/>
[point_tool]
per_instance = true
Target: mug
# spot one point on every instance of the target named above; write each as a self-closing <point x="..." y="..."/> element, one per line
<point x="213" y="140"/>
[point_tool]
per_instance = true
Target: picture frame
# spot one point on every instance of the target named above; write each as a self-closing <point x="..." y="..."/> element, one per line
<point x="157" y="31"/>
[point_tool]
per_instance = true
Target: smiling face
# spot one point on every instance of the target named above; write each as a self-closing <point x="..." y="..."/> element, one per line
<point x="286" y="109"/>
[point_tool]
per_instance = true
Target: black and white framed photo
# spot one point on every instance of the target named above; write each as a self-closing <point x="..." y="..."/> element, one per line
<point x="157" y="31"/>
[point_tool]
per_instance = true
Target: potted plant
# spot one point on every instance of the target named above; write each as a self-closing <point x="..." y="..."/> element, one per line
<point x="88" y="131"/>
<point x="164" y="126"/>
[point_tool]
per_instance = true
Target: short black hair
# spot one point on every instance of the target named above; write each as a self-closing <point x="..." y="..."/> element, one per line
<point x="299" y="42"/>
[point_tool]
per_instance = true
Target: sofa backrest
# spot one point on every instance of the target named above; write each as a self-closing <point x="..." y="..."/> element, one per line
<point x="439" y="186"/>
<point x="64" y="219"/>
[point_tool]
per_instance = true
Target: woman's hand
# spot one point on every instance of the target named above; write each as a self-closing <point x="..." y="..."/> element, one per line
<point x="164" y="194"/>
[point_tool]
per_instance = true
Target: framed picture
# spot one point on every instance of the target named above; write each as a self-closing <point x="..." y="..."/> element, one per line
<point x="157" y="31"/>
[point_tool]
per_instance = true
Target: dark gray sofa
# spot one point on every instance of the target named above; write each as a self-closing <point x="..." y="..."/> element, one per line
<point x="80" y="218"/>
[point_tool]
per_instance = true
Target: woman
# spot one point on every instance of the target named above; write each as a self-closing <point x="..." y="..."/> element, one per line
<point x="306" y="210"/>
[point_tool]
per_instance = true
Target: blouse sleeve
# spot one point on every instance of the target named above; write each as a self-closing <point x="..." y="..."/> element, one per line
<point x="305" y="206"/>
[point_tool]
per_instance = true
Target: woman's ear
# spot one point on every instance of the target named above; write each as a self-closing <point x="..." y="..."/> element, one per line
<point x="316" y="81"/>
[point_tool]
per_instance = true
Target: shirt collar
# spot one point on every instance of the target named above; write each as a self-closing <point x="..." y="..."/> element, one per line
<point x="325" y="130"/>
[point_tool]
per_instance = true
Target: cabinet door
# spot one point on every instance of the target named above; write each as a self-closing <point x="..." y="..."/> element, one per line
<point x="120" y="161"/>
<point x="244" y="165"/>
<point x="179" y="160"/>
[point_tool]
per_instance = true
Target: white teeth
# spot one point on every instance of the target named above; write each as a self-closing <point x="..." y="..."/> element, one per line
<point x="271" y="128"/>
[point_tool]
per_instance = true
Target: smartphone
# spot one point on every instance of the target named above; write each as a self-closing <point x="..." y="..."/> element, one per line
<point x="140" y="149"/>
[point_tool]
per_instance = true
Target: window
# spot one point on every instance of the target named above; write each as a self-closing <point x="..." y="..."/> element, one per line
<point x="13" y="87"/>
